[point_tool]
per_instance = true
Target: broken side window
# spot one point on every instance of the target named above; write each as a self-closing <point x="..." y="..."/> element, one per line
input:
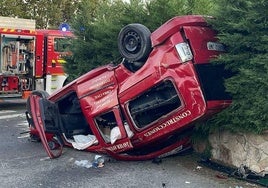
<point x="105" y="123"/>
<point x="72" y="119"/>
<point x="154" y="103"/>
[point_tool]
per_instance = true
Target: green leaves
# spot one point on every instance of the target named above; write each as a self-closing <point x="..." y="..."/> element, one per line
<point x="102" y="21"/>
<point x="242" y="26"/>
<point x="11" y="8"/>
<point x="47" y="13"/>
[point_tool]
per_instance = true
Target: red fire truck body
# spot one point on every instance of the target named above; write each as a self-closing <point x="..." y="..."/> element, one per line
<point x="30" y="59"/>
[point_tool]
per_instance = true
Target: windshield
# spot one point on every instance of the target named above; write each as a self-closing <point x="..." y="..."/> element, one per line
<point x="62" y="44"/>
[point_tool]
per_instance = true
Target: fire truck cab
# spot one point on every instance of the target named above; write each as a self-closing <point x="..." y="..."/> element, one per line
<point x="30" y="59"/>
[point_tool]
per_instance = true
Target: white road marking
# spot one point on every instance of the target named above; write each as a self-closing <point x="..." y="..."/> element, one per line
<point x="24" y="136"/>
<point x="12" y="116"/>
<point x="6" y="111"/>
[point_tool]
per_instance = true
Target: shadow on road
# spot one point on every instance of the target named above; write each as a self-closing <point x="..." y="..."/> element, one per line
<point x="14" y="104"/>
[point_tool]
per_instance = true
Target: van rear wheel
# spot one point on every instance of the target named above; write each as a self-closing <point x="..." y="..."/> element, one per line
<point x="134" y="42"/>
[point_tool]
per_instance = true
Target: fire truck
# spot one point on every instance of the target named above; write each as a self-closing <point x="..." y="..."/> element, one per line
<point x="30" y="59"/>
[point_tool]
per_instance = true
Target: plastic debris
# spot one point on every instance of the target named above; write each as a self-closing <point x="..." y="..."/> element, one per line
<point x="98" y="162"/>
<point x="83" y="163"/>
<point x="45" y="159"/>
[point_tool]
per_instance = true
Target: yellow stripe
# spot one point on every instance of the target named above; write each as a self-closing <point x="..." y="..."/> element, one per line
<point x="57" y="74"/>
<point x="61" y="61"/>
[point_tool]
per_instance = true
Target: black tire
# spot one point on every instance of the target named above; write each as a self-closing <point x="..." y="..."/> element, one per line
<point x="134" y="42"/>
<point x="66" y="81"/>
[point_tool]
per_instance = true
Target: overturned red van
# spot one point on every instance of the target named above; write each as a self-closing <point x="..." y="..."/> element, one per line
<point x="144" y="107"/>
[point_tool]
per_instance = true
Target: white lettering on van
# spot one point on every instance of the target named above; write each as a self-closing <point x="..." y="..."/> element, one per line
<point x="168" y="123"/>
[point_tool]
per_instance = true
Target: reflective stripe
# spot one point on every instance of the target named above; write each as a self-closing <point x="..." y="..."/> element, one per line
<point x="18" y="31"/>
<point x="61" y="61"/>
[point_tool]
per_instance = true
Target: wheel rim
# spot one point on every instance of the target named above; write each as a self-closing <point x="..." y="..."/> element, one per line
<point x="132" y="42"/>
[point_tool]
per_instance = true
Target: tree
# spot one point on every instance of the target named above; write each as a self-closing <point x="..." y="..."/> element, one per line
<point x="243" y="28"/>
<point x="101" y="21"/>
<point x="47" y="13"/>
<point x="82" y="47"/>
<point x="11" y="8"/>
<point x="161" y="10"/>
<point x="97" y="26"/>
<point x="50" y="13"/>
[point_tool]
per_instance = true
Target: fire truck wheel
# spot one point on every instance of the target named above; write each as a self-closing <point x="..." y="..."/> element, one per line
<point x="134" y="42"/>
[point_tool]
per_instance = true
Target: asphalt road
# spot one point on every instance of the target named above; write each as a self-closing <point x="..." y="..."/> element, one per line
<point x="24" y="164"/>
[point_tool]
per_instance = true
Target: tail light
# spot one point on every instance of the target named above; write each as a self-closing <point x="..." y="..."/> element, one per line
<point x="184" y="52"/>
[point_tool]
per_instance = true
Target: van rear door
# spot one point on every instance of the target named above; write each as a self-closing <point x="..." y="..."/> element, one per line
<point x="42" y="116"/>
<point x="203" y="43"/>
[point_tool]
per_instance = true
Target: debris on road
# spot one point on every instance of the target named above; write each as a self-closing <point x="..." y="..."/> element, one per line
<point x="241" y="173"/>
<point x="98" y="162"/>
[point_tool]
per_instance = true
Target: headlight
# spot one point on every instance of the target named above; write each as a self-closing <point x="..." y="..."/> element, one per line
<point x="184" y="52"/>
